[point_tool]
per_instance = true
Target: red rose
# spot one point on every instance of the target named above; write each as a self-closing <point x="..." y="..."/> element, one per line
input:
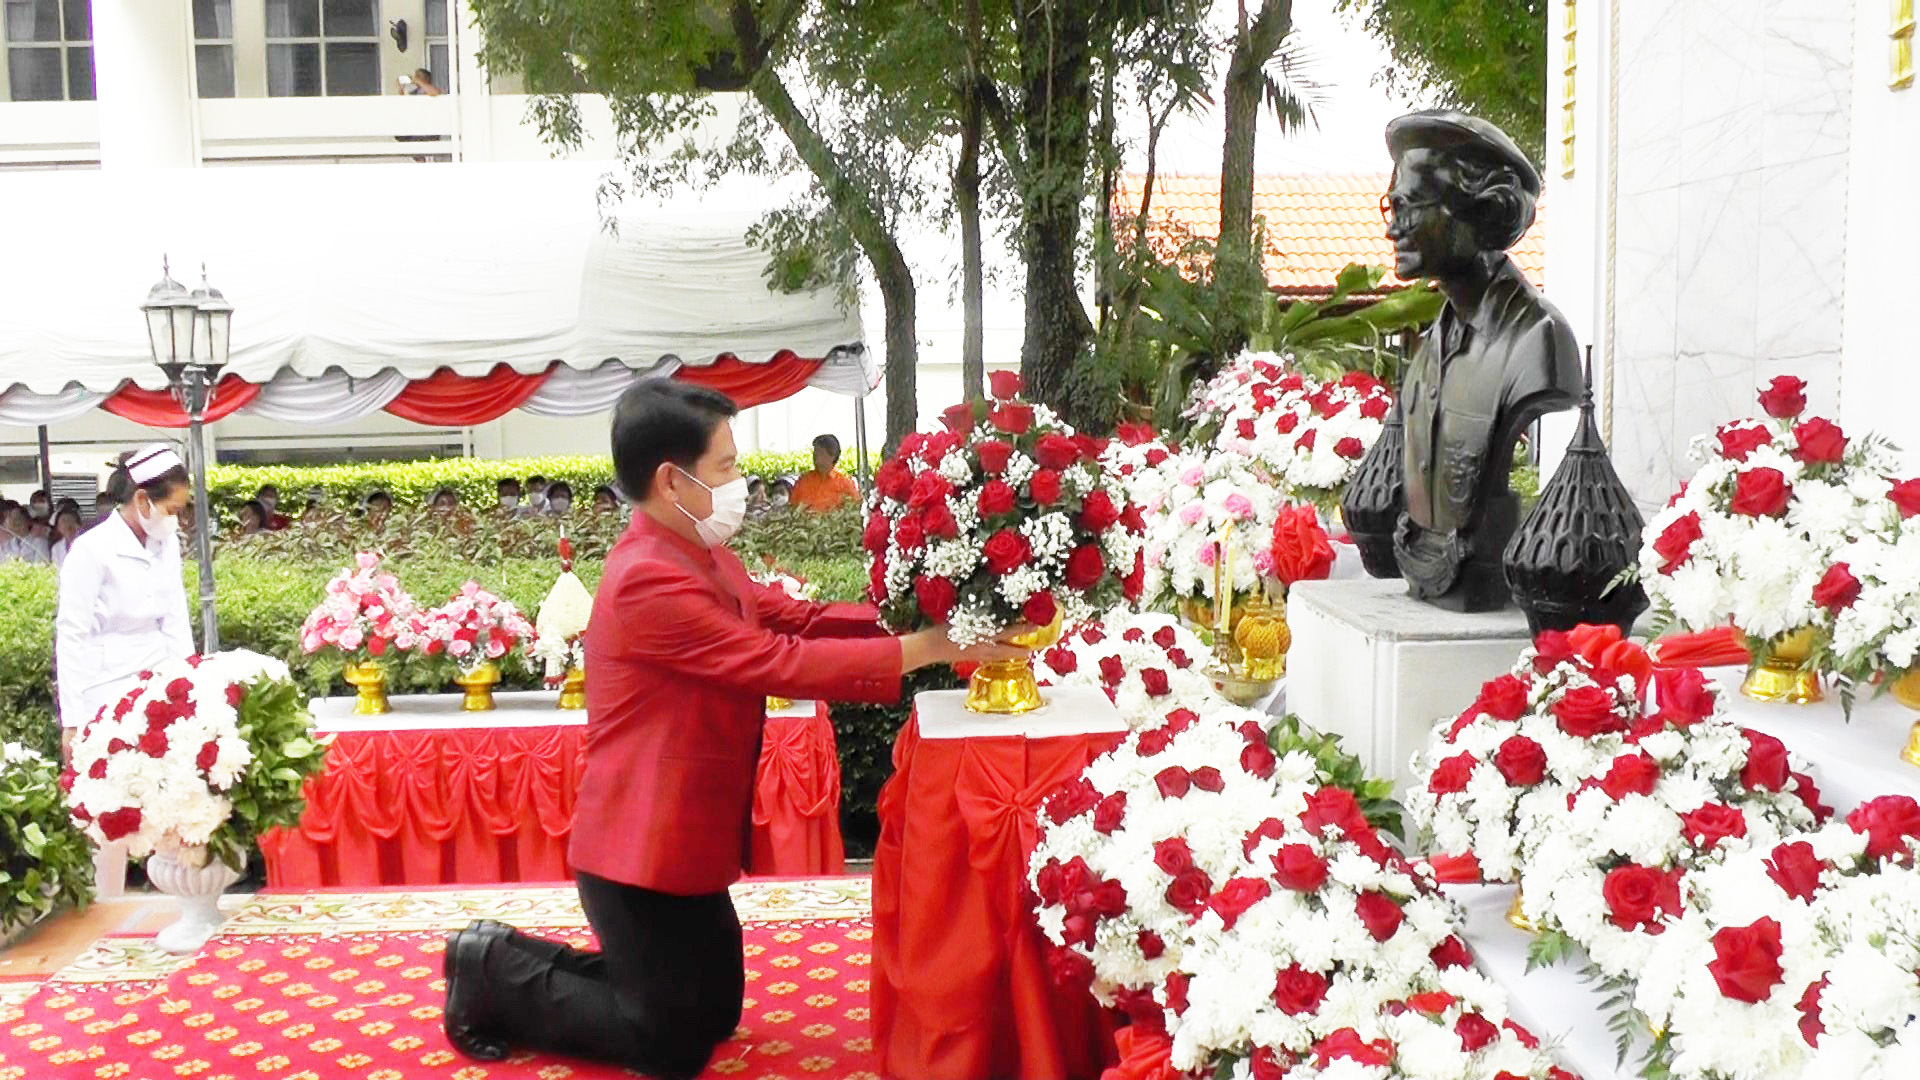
<point x="1189" y="892"/>
<point x="1631" y="774"/>
<point x="1785" y="397"/>
<point x="1452" y="774"/>
<point x="1906" y="496"/>
<point x="1809" y="797"/>
<point x="1245" y="430"/>
<point x="1155" y="681"/>
<point x="209" y="753"/>
<point x="996" y="499"/>
<point x="1739" y="440"/>
<point x="1349" y="448"/>
<point x="1236" y="896"/>
<point x="959" y="419"/>
<point x="1332" y="806"/>
<point x="1006" y="551"/>
<point x="1014" y="419"/>
<point x="994" y="455"/>
<point x="938" y="522"/>
<point x="1097" y="512"/>
<point x="1071" y="799"/>
<point x="1889" y="823"/>
<point x="1838" y="588"/>
<point x="1056" y="451"/>
<point x="1433" y="1003"/>
<point x="929" y="489"/>
<point x="1173" y="782"/>
<point x="1110" y="812"/>
<point x="154" y="742"/>
<point x="1587" y="711"/>
<point x="1085" y="567"/>
<point x="1811" y="1027"/>
<point x="1685" y="697"/>
<point x="1306" y="441"/>
<point x="1150" y="944"/>
<point x="936" y="597"/>
<point x="1761" y="493"/>
<point x="1208" y="778"/>
<point x="1040" y="609"/>
<point x="1637" y="896"/>
<point x="1767" y="768"/>
<point x="1819" y="442"/>
<point x="1300" y="868"/>
<point x="1257" y="759"/>
<point x="894" y="480"/>
<point x="1062" y="660"/>
<point x="874" y="537"/>
<point x="1069" y="969"/>
<point x="1301" y="551"/>
<point x="910" y="534"/>
<point x="1176" y="989"/>
<point x="1476" y="1032"/>
<point x="1299" y="992"/>
<point x="1004" y="385"/>
<point x="1504" y="698"/>
<point x="1375" y="408"/>
<point x="1286" y="422"/>
<point x="1347" y="1043"/>
<point x="1713" y="823"/>
<point x="1451" y="953"/>
<point x="1178" y="658"/>
<point x="1044" y="487"/>
<point x="1796" y="869"/>
<point x="1675" y="542"/>
<point x="1746" y="961"/>
<point x="1379" y="913"/>
<point x="1112" y="670"/>
<point x="1521" y="761"/>
<point x="115" y="824"/>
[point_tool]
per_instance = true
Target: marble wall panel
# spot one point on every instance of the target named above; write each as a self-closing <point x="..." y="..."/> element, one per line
<point x="1721" y="96"/>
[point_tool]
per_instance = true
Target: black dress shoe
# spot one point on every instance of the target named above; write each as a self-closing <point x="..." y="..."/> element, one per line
<point x="463" y="1019"/>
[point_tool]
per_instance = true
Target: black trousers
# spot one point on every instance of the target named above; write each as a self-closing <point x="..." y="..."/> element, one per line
<point x="661" y="994"/>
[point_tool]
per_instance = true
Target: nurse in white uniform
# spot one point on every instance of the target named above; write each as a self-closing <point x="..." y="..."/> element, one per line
<point x="123" y="604"/>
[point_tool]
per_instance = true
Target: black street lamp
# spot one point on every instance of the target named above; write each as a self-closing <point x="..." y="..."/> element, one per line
<point x="188" y="333"/>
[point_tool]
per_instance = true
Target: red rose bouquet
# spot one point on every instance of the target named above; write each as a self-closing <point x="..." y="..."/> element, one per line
<point x="1003" y="518"/>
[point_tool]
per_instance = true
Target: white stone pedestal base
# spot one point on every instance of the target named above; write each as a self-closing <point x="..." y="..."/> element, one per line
<point x="1377" y="668"/>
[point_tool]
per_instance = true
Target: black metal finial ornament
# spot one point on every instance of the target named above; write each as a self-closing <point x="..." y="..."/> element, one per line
<point x="1582" y="533"/>
<point x="1374" y="499"/>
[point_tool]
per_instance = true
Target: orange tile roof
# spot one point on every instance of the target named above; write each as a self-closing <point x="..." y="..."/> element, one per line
<point x="1316" y="224"/>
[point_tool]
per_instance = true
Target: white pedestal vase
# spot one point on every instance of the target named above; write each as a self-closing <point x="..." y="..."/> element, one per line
<point x="199" y="888"/>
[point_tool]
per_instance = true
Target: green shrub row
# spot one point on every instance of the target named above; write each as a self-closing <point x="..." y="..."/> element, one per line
<point x="413" y="483"/>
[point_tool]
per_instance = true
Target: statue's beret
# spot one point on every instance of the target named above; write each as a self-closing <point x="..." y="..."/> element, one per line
<point x="1444" y="129"/>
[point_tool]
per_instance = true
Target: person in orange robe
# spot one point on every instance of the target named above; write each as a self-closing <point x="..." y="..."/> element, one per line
<point x="682" y="650"/>
<point x="826" y="487"/>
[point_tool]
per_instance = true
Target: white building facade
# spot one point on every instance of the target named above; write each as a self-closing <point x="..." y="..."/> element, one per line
<point x="1732" y="186"/>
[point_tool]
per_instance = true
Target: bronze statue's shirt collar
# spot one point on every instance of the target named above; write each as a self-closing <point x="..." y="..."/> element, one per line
<point x="1455" y="336"/>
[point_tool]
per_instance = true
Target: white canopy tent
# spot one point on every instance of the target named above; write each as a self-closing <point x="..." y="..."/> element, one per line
<point x="350" y="281"/>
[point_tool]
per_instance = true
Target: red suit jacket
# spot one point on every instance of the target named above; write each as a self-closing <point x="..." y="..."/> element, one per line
<point x="681" y="653"/>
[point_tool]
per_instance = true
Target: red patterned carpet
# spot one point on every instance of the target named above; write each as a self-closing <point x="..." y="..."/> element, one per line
<point x="347" y="986"/>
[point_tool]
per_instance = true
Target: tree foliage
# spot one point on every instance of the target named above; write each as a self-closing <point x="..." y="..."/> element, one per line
<point x="1486" y="57"/>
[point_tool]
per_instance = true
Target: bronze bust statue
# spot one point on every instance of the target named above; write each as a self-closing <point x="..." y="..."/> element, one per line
<point x="1498" y="358"/>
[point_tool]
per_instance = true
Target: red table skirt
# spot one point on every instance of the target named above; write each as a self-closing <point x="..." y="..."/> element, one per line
<point x="490" y="805"/>
<point x="962" y="989"/>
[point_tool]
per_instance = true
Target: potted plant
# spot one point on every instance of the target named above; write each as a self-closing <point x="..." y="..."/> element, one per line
<point x="190" y="767"/>
<point x="45" y="860"/>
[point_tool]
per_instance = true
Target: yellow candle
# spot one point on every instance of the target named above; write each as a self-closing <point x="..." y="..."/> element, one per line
<point x="1223" y="590"/>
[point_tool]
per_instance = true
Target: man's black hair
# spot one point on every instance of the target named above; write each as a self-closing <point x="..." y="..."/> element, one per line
<point x="663" y="420"/>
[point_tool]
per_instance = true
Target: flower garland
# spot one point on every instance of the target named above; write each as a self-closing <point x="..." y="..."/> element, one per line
<point x="365" y="612"/>
<point x="1308" y="434"/>
<point x="1146" y="663"/>
<point x="475" y="627"/>
<point x="165" y="767"/>
<point x="1217" y="891"/>
<point x="1006" y="517"/>
<point x="1751" y="537"/>
<point x="1798" y="959"/>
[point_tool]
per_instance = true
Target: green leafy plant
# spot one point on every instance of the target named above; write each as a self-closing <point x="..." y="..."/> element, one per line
<point x="45" y="861"/>
<point x="1337" y="768"/>
<point x="276" y="725"/>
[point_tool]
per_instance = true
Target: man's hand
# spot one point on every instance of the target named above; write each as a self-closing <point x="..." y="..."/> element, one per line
<point x="932" y="646"/>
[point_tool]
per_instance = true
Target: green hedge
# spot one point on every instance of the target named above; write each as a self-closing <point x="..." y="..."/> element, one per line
<point x="413" y="483"/>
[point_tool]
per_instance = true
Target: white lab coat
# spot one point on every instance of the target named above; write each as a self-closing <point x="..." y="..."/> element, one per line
<point x="123" y="610"/>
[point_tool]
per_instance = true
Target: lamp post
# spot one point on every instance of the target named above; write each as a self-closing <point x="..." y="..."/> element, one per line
<point x="187" y="332"/>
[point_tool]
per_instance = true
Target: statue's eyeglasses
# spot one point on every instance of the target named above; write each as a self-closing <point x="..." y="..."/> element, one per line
<point x="1390" y="205"/>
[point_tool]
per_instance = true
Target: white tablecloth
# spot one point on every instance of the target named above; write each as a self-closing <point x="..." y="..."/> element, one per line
<point x="441" y="712"/>
<point x="1070" y="710"/>
<point x="1852" y="762"/>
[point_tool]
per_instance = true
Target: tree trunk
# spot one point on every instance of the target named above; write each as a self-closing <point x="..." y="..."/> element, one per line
<point x="1237" y="265"/>
<point x="890" y="270"/>
<point x="1056" y="115"/>
<point x="966" y="198"/>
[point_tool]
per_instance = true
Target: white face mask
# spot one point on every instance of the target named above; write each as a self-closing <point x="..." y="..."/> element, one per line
<point x="508" y="502"/>
<point x="729" y="510"/>
<point x="559" y="505"/>
<point x="157" y="523"/>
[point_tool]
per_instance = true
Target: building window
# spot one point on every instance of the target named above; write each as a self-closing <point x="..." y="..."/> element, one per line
<point x="325" y="48"/>
<point x="49" y="50"/>
<point x="439" y="55"/>
<point x="213" y="47"/>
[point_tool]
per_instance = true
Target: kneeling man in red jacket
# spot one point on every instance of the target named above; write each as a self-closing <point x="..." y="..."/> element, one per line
<point x="681" y="654"/>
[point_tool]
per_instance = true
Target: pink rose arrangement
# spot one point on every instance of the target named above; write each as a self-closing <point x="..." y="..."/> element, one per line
<point x="364" y="614"/>
<point x="474" y="628"/>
